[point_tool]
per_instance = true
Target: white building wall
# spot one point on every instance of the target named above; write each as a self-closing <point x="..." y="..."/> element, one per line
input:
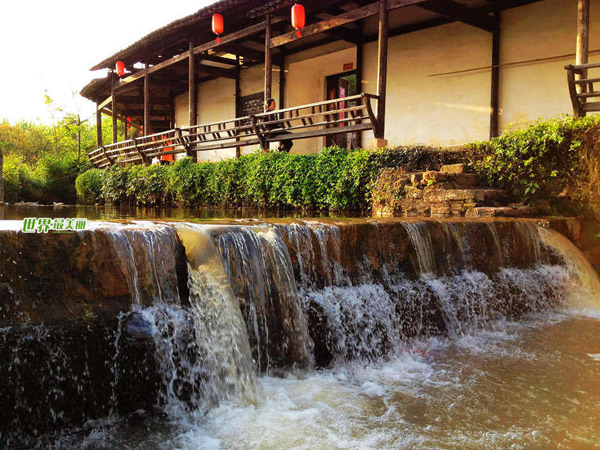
<point x="439" y="79"/>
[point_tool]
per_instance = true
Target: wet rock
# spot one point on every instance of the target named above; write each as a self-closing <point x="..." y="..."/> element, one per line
<point x="70" y="350"/>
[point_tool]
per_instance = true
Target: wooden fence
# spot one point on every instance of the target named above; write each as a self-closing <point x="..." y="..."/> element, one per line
<point x="581" y="88"/>
<point x="337" y="116"/>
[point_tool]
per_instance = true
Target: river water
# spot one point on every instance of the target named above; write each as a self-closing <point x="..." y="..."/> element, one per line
<point x="531" y="384"/>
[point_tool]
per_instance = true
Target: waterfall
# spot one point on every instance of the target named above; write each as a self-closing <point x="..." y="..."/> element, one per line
<point x="584" y="290"/>
<point x="415" y="279"/>
<point x="148" y="259"/>
<point x="194" y="313"/>
<point x="201" y="349"/>
<point x="259" y="269"/>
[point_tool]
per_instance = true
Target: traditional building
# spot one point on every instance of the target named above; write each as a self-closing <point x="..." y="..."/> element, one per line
<point x="358" y="73"/>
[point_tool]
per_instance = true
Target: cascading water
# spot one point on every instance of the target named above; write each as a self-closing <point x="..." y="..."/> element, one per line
<point x="422" y="279"/>
<point x="258" y="265"/>
<point x="248" y="301"/>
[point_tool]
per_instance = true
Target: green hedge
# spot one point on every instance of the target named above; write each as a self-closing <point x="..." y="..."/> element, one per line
<point x="544" y="159"/>
<point x="333" y="180"/>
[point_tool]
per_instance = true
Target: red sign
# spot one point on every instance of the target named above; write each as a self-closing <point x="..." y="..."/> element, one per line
<point x="348" y="66"/>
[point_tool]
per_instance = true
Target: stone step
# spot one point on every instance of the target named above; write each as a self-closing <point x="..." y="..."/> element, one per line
<point x="445" y="180"/>
<point x="446" y="202"/>
<point x="454" y="168"/>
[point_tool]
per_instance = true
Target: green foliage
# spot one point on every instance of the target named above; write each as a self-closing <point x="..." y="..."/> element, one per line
<point x="57" y="175"/>
<point x="334" y="179"/>
<point x="88" y="186"/>
<point x="532" y="161"/>
<point x="41" y="162"/>
<point x="20" y="182"/>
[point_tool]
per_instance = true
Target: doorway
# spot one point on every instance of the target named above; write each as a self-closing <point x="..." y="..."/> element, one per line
<point x="342" y="85"/>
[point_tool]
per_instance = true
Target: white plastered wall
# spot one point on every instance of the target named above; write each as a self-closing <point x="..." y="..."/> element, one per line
<point x="306" y="81"/>
<point x="439" y="79"/>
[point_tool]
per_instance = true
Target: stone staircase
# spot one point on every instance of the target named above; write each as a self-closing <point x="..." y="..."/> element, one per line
<point x="448" y="192"/>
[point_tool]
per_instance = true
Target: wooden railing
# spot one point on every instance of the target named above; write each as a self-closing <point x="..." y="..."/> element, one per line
<point x="337" y="116"/>
<point x="581" y="88"/>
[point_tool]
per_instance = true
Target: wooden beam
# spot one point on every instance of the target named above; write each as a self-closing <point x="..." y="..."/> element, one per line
<point x="268" y="59"/>
<point x="192" y="96"/>
<point x="495" y="78"/>
<point x="337" y="21"/>
<point x="382" y="57"/>
<point x="213" y="44"/>
<point x="139" y="99"/>
<point x="583" y="39"/>
<point x="246" y="52"/>
<point x="217" y="71"/>
<point x="405" y="29"/>
<point x="98" y="125"/>
<point x="341" y="34"/>
<point x="147" y="126"/>
<point x="113" y="96"/>
<point x="218" y="59"/>
<point x="461" y="13"/>
<point x="140" y="112"/>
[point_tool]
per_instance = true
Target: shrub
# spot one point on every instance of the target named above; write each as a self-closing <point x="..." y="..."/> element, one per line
<point x="89" y="186"/>
<point x="57" y="175"/>
<point x="532" y="161"/>
<point x="20" y="182"/>
<point x="114" y="184"/>
<point x="149" y="185"/>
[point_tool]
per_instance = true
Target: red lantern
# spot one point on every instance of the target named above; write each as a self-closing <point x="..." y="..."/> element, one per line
<point x="120" y="67"/>
<point x="217" y="25"/>
<point x="298" y="18"/>
<point x="128" y="123"/>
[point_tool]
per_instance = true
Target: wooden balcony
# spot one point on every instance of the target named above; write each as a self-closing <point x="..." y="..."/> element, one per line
<point x="582" y="87"/>
<point x="337" y="116"/>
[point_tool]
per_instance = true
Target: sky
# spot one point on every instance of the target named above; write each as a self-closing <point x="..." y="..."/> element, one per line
<point x="48" y="46"/>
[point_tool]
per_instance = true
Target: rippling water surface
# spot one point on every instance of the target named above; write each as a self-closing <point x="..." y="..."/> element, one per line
<point x="532" y="384"/>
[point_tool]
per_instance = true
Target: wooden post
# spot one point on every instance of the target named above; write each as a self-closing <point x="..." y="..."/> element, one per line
<point x="382" y="68"/>
<point x="125" y="125"/>
<point x="113" y="99"/>
<point x="98" y="125"/>
<point x="238" y="104"/>
<point x="268" y="58"/>
<point x="193" y="98"/>
<point x="495" y="78"/>
<point x="583" y="39"/>
<point x="147" y="129"/>
<point x="359" y="71"/>
<point x="281" y="79"/>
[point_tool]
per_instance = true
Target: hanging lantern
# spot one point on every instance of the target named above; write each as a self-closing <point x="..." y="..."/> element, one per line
<point x="217" y="25"/>
<point x="128" y="123"/>
<point x="298" y="18"/>
<point x="120" y="68"/>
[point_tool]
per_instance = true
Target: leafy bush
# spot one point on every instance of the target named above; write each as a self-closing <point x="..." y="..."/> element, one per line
<point x="89" y="186"/>
<point x="547" y="158"/>
<point x="57" y="175"/>
<point x="542" y="159"/>
<point x="20" y="182"/>
<point x="335" y="179"/>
